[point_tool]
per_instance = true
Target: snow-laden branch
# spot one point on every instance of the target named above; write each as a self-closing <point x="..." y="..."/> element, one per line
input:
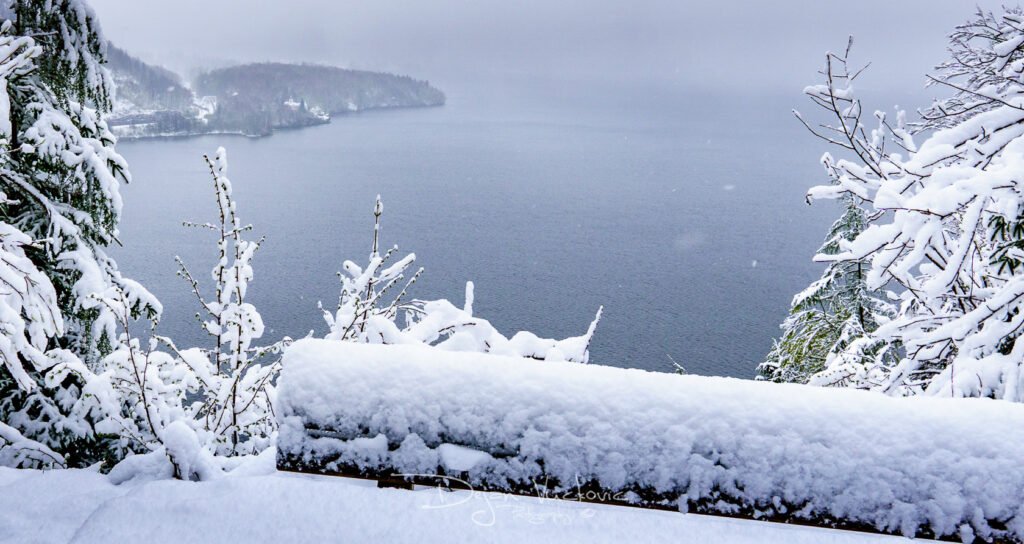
<point x="947" y="231"/>
<point x="365" y="315"/>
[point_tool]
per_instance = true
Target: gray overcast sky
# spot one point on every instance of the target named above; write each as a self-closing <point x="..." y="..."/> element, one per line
<point x="769" y="45"/>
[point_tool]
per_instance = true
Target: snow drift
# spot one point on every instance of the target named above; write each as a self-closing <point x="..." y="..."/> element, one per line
<point x="267" y="507"/>
<point x="845" y="458"/>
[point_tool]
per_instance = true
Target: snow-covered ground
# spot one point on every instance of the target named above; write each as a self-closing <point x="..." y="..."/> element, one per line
<point x="277" y="507"/>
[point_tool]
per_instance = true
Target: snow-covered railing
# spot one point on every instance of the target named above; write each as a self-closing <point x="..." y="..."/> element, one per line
<point x="842" y="458"/>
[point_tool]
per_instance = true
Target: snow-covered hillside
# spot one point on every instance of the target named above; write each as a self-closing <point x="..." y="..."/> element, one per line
<point x="278" y="508"/>
<point x="251" y="99"/>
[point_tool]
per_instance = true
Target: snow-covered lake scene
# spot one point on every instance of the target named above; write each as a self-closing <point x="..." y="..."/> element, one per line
<point x="543" y="271"/>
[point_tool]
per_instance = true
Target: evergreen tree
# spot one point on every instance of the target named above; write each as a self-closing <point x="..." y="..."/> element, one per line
<point x="834" y="314"/>
<point x="59" y="182"/>
<point x="828" y="338"/>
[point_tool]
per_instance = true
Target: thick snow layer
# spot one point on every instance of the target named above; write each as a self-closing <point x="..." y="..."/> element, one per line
<point x="900" y="465"/>
<point x="279" y="508"/>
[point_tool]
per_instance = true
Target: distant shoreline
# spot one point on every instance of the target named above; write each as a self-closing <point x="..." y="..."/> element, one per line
<point x="185" y="135"/>
<point x="253" y="100"/>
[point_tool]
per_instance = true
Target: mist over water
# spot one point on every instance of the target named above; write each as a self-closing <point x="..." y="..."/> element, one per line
<point x="681" y="213"/>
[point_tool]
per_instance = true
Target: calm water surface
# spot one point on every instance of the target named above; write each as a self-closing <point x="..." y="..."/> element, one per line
<point x="682" y="214"/>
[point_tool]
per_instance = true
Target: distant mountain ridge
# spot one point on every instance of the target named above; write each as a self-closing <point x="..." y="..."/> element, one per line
<point x="251" y="99"/>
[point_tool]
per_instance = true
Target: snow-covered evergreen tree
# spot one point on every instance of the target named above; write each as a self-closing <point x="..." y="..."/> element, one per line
<point x="827" y="338"/>
<point x="824" y="337"/>
<point x="18" y="451"/>
<point x="60" y="205"/>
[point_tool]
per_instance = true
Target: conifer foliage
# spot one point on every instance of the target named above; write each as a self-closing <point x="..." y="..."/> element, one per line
<point x="826" y="336"/>
<point x="59" y="208"/>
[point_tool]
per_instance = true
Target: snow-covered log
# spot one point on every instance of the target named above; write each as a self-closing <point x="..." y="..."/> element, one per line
<point x="916" y="466"/>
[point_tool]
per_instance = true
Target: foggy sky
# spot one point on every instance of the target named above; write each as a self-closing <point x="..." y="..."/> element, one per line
<point x="773" y="45"/>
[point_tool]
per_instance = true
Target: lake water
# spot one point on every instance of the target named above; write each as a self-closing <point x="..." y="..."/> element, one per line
<point x="682" y="214"/>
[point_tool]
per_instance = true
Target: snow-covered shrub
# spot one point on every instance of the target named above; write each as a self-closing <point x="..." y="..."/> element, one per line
<point x="945" y="218"/>
<point x="364" y="315"/>
<point x="235" y="381"/>
<point x="765" y="450"/>
<point x="224" y="394"/>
